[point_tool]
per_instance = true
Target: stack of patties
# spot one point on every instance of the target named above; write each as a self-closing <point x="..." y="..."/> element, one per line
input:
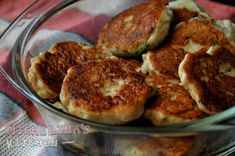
<point x="90" y="83"/>
<point x="203" y="50"/>
<point x="187" y="73"/>
<point x="94" y="85"/>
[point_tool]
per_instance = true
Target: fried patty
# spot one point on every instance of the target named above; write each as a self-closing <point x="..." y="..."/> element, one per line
<point x="209" y="76"/>
<point x="48" y="70"/>
<point x="164" y="60"/>
<point x="171" y="103"/>
<point x="189" y="36"/>
<point x="107" y="91"/>
<point x="184" y="10"/>
<point x="197" y="33"/>
<point x="132" y="31"/>
<point x="162" y="147"/>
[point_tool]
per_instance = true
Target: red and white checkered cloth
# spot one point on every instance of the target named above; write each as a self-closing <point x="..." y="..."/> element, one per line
<point x="15" y="109"/>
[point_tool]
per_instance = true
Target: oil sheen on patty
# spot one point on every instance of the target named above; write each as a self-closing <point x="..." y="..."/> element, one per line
<point x="209" y="77"/>
<point x="48" y="70"/>
<point x="171" y="103"/>
<point x="106" y="91"/>
<point x="134" y="30"/>
<point x="187" y="37"/>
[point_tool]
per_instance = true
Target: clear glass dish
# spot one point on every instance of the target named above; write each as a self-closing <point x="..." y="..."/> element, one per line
<point x="39" y="27"/>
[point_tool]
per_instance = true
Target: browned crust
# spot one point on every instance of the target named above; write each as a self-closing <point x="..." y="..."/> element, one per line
<point x="117" y="34"/>
<point x="212" y="93"/>
<point x="200" y="31"/>
<point x="183" y="106"/>
<point x="82" y="84"/>
<point x="166" y="60"/>
<point x="54" y="65"/>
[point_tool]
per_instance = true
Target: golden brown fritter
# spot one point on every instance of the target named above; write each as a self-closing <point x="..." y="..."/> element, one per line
<point x="210" y="78"/>
<point x="48" y="70"/>
<point x="197" y="31"/>
<point x="164" y="60"/>
<point x="106" y="91"/>
<point x="141" y="27"/>
<point x="171" y="103"/>
<point x="187" y="37"/>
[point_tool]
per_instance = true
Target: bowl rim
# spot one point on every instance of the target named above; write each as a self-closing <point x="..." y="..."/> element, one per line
<point x="209" y="123"/>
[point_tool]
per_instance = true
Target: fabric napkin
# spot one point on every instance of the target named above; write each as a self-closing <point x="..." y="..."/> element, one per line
<point x="18" y="113"/>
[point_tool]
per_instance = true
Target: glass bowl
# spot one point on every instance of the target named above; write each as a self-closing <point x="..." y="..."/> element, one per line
<point x="47" y="22"/>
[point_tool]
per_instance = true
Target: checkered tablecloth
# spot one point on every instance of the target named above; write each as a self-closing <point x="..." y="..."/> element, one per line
<point x="16" y="111"/>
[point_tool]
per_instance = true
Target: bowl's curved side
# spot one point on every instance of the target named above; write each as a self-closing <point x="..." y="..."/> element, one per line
<point x="29" y="23"/>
